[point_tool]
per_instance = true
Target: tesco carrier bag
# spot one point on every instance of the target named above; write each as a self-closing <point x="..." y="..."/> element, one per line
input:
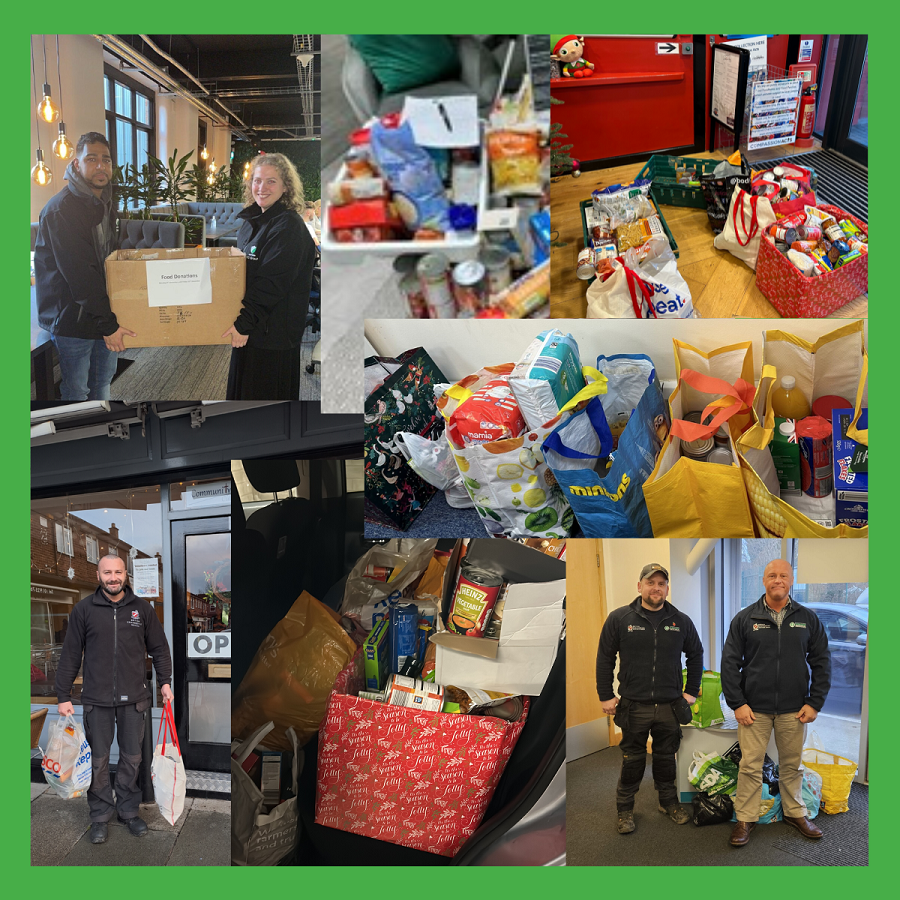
<point x="67" y="760"/>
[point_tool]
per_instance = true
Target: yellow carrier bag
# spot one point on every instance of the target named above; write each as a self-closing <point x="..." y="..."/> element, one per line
<point x="837" y="774"/>
<point x="692" y="498"/>
<point x="836" y="364"/>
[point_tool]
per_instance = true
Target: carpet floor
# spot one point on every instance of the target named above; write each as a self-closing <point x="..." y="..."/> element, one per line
<point x="592" y="839"/>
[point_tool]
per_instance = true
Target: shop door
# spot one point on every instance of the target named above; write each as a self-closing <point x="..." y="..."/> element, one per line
<point x="640" y="100"/>
<point x="847" y="127"/>
<point x="201" y="633"/>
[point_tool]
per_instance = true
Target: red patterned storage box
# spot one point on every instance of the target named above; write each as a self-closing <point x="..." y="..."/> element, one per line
<point x="797" y="297"/>
<point x="423" y="780"/>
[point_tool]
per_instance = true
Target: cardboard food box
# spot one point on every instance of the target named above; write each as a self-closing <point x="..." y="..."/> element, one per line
<point x="520" y="661"/>
<point x="851" y="470"/>
<point x="176" y="298"/>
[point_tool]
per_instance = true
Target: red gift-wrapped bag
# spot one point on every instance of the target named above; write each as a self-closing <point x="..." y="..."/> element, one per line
<point x="797" y="296"/>
<point x="420" y="779"/>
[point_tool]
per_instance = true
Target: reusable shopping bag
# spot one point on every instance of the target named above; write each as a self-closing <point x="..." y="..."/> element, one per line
<point x="604" y="487"/>
<point x="770" y="808"/>
<point x="291" y="675"/>
<point x="837" y="773"/>
<point x="748" y="218"/>
<point x="394" y="494"/>
<point x="713" y="773"/>
<point x="689" y="497"/>
<point x="805" y="178"/>
<point x="433" y="461"/>
<point x="167" y="769"/>
<point x="812" y="792"/>
<point x="707" y="709"/>
<point x="642" y="288"/>
<point x="259" y="838"/>
<point x="67" y="760"/>
<point x="835" y="365"/>
<point x="719" y="189"/>
<point x="514" y="491"/>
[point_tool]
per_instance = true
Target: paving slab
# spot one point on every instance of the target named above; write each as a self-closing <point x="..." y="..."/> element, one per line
<point x="205" y="840"/>
<point x="123" y="849"/>
<point x="56" y="826"/>
<point x="38" y="789"/>
<point x="155" y="822"/>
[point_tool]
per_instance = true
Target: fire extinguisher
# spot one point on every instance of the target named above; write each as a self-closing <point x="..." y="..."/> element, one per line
<point x="806" y="117"/>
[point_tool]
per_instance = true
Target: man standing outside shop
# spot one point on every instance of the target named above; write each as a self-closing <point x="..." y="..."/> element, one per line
<point x="78" y="230"/>
<point x="650" y="636"/>
<point x="113" y="630"/>
<point x="771" y="650"/>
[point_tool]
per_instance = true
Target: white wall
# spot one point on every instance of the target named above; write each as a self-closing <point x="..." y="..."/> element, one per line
<point x="462" y="346"/>
<point x="623" y="559"/>
<point x="81" y="73"/>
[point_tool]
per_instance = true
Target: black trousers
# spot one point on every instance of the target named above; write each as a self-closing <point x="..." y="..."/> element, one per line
<point x="256" y="374"/>
<point x="127" y="723"/>
<point x="638" y="722"/>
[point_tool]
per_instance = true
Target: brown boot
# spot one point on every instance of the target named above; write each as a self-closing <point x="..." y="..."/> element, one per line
<point x="740" y="834"/>
<point x="805" y="827"/>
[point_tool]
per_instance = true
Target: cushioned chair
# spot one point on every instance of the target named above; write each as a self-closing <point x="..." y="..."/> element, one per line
<point x="479" y="74"/>
<point x="34" y="234"/>
<point x="226" y="215"/>
<point x="141" y="234"/>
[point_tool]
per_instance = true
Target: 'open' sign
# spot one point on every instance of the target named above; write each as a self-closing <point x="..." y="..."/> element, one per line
<point x="209" y="645"/>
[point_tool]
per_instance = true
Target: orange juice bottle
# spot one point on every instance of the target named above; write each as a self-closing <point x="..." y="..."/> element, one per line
<point x="788" y="401"/>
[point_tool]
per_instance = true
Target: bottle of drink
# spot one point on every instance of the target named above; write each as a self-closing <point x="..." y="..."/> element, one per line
<point x="788" y="402"/>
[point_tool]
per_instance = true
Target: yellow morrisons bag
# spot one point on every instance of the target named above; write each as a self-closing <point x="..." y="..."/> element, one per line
<point x="688" y="497"/>
<point x="837" y="775"/>
<point x="836" y="364"/>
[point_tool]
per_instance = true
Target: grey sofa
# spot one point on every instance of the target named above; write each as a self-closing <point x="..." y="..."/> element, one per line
<point x="140" y="234"/>
<point x="226" y="217"/>
<point x="479" y="74"/>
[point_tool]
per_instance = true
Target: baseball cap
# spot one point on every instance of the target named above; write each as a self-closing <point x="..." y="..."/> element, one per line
<point x="650" y="568"/>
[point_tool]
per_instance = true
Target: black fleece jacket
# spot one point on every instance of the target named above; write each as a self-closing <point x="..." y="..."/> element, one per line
<point x="69" y="263"/>
<point x="769" y="667"/>
<point x="281" y="256"/>
<point x="649" y="658"/>
<point x="113" y="638"/>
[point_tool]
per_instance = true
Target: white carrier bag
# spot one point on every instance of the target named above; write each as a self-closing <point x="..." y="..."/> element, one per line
<point x="67" y="760"/>
<point x="167" y="770"/>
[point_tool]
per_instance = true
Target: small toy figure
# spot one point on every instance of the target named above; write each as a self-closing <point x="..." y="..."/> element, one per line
<point x="569" y="51"/>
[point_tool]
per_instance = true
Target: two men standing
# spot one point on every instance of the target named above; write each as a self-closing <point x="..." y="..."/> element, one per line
<point x="78" y="230"/>
<point x="776" y="674"/>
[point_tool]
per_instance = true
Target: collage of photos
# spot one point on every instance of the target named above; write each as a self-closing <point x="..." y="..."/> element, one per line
<point x="415" y="517"/>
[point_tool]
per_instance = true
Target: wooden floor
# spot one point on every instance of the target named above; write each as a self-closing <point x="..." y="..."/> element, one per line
<point x="721" y="285"/>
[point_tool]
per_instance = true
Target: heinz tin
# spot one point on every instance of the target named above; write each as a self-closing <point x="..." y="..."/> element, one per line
<point x="473" y="601"/>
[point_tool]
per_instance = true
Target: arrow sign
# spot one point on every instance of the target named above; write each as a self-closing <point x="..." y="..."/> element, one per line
<point x="662" y="49"/>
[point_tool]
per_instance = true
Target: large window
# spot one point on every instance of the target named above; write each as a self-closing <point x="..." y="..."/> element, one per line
<point x="68" y="537"/>
<point x="130" y="127"/>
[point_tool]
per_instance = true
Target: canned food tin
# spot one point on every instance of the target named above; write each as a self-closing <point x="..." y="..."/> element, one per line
<point x="434" y="273"/>
<point x="469" y="288"/>
<point x="720" y="455"/>
<point x="497" y="264"/>
<point x="698" y="449"/>
<point x="584" y="268"/>
<point x="816" y="463"/>
<point x="411" y="288"/>
<point x="473" y="601"/>
<point x="378" y="573"/>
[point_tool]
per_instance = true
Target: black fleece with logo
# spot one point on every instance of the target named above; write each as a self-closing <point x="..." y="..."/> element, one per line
<point x="649" y="656"/>
<point x="776" y="670"/>
<point x="113" y="638"/>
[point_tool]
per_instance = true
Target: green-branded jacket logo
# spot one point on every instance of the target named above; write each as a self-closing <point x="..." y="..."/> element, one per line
<point x="798" y="624"/>
<point x="598" y="491"/>
<point x="671" y="628"/>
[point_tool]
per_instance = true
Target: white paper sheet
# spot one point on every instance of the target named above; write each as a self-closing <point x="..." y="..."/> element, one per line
<point x="178" y="282"/>
<point x="443" y="121"/>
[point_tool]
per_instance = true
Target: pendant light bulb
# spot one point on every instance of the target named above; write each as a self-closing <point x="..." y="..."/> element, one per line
<point x="204" y="153"/>
<point x="41" y="174"/>
<point x="62" y="146"/>
<point x="212" y="167"/>
<point x="47" y="109"/>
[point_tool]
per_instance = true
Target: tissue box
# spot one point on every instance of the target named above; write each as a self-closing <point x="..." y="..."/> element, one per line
<point x="851" y="489"/>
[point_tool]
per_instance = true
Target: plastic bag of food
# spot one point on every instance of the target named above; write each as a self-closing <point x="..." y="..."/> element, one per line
<point x="418" y="191"/>
<point x="67" y="761"/>
<point x="487" y="411"/>
<point x="292" y="675"/>
<point x="366" y="592"/>
<point x="710" y="810"/>
<point x="624" y="204"/>
<point x="713" y="773"/>
<point x="515" y="162"/>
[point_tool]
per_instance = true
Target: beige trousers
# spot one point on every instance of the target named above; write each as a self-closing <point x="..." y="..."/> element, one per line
<point x="789" y="734"/>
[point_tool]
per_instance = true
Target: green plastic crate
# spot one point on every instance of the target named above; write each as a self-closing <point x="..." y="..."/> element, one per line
<point x="586" y="203"/>
<point x="661" y="170"/>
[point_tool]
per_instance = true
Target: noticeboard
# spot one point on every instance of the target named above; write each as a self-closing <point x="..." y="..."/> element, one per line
<point x="729" y="86"/>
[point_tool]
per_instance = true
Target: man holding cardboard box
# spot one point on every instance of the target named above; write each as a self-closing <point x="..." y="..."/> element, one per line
<point x="78" y="230"/>
<point x="649" y="636"/>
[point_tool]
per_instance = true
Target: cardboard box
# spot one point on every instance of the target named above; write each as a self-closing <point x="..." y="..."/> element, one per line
<point x="851" y="488"/>
<point x="377" y="654"/>
<point x="176" y="298"/>
<point x="533" y="617"/>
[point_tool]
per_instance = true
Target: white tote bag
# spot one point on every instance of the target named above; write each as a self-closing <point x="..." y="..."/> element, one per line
<point x="67" y="761"/>
<point x="748" y="218"/>
<point x="167" y="770"/>
<point x="645" y="284"/>
<point x="257" y="838"/>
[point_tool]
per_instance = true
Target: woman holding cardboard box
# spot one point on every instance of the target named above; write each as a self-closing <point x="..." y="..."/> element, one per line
<point x="281" y="256"/>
